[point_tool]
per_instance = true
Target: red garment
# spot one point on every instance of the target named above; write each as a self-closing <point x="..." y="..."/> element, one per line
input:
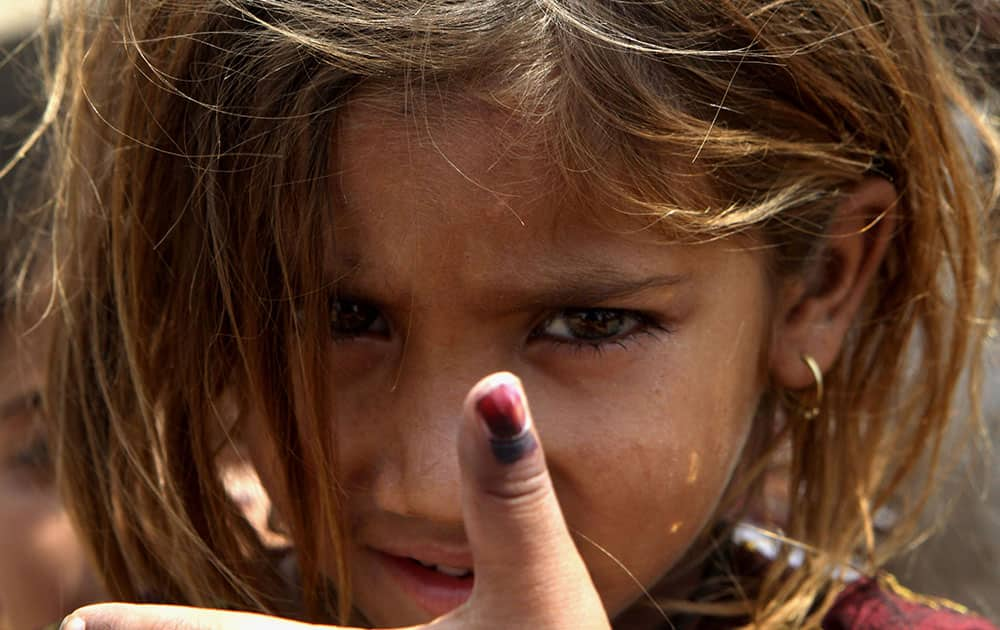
<point x="867" y="605"/>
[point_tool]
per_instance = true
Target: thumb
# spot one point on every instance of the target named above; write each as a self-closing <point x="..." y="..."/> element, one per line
<point x="528" y="573"/>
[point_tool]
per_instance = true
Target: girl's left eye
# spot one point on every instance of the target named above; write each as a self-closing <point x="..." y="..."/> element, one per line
<point x="595" y="327"/>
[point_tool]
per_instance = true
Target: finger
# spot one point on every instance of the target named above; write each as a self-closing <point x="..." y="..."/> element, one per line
<point x="149" y="617"/>
<point x="527" y="569"/>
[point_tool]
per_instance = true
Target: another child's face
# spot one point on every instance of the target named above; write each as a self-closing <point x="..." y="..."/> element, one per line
<point x="44" y="573"/>
<point x="641" y="360"/>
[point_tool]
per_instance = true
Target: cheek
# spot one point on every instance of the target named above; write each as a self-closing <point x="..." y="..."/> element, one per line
<point x="641" y="469"/>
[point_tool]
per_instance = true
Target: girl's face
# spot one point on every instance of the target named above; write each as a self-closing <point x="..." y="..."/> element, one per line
<point x="44" y="573"/>
<point x="642" y="360"/>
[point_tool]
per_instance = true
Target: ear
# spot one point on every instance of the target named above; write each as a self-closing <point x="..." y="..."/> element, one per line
<point x="815" y="309"/>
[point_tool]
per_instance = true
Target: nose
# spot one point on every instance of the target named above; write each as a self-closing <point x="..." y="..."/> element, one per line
<point x="410" y="466"/>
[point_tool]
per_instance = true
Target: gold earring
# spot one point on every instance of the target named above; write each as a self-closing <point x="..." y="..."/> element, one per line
<point x="811" y="412"/>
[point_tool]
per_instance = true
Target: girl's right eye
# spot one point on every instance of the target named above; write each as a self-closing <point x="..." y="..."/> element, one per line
<point x="351" y="318"/>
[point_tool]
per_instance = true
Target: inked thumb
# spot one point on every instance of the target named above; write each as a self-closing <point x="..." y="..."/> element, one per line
<point x="528" y="572"/>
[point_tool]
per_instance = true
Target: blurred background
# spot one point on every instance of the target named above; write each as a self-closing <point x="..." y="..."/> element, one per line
<point x="20" y="91"/>
<point x="18" y="16"/>
<point x="44" y="571"/>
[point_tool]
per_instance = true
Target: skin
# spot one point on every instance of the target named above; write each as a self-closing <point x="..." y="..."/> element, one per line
<point x="44" y="572"/>
<point x="472" y="259"/>
<point x="462" y="259"/>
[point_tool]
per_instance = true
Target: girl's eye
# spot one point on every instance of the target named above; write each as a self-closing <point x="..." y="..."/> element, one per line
<point x="35" y="457"/>
<point x="595" y="327"/>
<point x="349" y="318"/>
<point x="32" y="455"/>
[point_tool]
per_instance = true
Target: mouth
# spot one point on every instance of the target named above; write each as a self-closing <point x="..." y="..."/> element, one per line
<point x="455" y="572"/>
<point x="437" y="588"/>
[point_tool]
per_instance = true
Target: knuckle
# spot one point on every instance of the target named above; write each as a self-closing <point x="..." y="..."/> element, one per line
<point x="520" y="487"/>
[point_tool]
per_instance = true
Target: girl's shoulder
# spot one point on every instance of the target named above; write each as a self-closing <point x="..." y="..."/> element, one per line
<point x="882" y="604"/>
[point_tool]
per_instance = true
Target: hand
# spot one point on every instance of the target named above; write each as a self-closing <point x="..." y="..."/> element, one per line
<point x="528" y="573"/>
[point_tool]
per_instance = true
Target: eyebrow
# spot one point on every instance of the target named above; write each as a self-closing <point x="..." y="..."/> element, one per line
<point x="548" y="289"/>
<point x="589" y="286"/>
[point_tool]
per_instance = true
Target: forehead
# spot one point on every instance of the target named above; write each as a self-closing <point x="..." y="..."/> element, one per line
<point x="460" y="206"/>
<point x="477" y="181"/>
<point x="431" y="154"/>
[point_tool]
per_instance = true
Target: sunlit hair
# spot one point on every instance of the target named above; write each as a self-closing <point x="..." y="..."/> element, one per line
<point x="194" y="162"/>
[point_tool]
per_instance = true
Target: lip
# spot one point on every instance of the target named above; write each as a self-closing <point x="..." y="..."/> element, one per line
<point x="432" y="591"/>
<point x="428" y="553"/>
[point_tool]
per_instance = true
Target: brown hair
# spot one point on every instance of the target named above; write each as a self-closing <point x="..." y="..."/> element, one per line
<point x="194" y="170"/>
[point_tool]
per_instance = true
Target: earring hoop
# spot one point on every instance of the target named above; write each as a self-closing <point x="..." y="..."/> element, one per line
<point x="811" y="412"/>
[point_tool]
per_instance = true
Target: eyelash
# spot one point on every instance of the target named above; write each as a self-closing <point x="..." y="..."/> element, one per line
<point x="646" y="325"/>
